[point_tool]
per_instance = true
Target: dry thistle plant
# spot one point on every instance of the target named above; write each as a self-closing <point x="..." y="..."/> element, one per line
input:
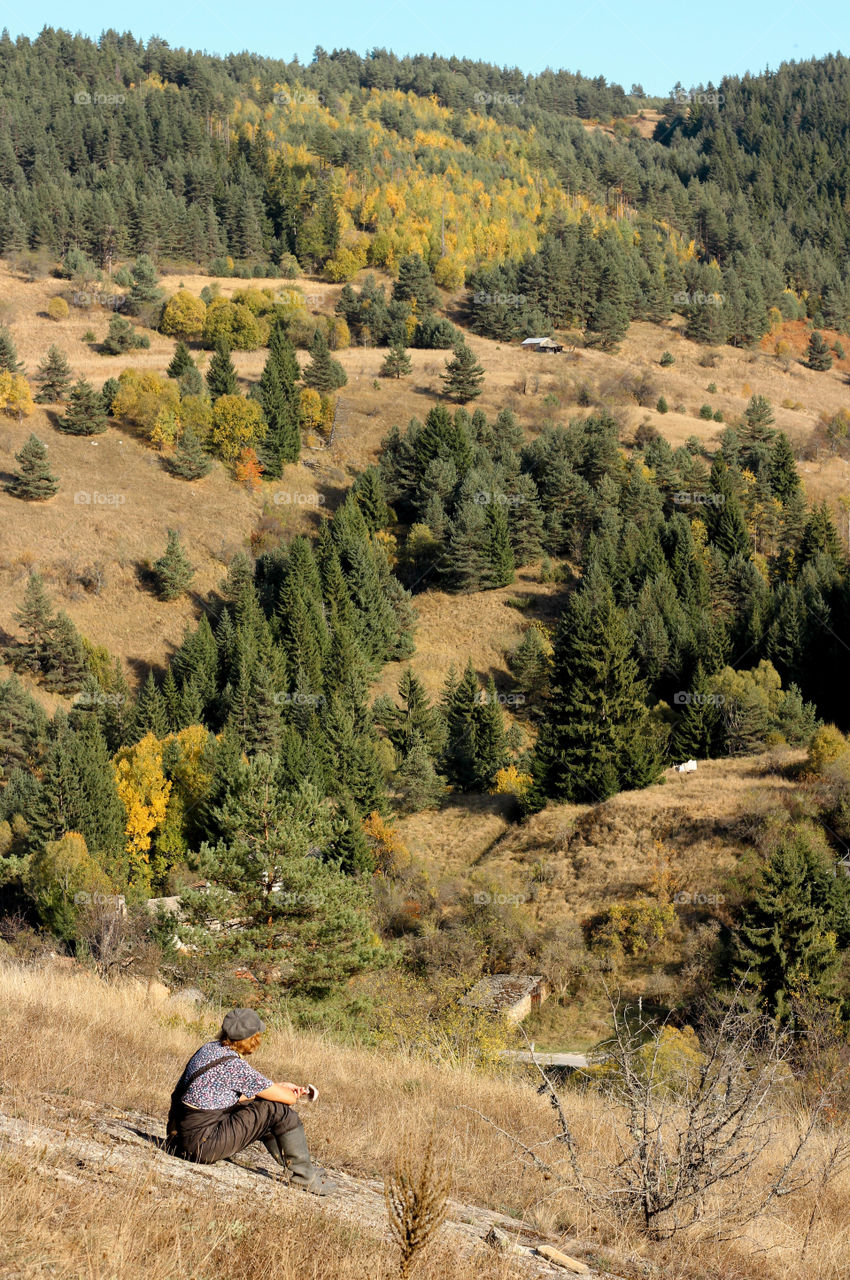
<point x="416" y="1204"/>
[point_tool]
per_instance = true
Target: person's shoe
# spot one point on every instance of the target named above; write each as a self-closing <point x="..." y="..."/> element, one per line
<point x="303" y="1173"/>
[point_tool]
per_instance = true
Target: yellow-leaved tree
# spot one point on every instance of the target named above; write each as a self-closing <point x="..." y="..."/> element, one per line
<point x="144" y="791"/>
<point x="183" y="315"/>
<point x="237" y="424"/>
<point x="15" y="395"/>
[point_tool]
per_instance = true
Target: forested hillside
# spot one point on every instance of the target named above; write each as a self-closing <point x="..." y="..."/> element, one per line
<point x="118" y="148"/>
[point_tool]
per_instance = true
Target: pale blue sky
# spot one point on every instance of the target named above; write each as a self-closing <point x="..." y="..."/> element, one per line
<point x="651" y="43"/>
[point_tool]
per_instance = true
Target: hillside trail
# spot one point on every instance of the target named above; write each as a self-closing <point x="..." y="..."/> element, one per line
<point x="103" y="1148"/>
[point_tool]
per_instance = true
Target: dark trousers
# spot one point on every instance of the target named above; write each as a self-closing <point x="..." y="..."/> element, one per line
<point x="207" y="1136"/>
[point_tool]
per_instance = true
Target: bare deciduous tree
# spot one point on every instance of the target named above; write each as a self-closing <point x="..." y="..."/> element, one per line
<point x="688" y="1122"/>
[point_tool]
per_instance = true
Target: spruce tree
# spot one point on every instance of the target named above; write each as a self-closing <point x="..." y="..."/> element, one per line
<point x="65" y="664"/>
<point x="23" y="729"/>
<point x="786" y="943"/>
<point x="784" y="477"/>
<point x="417" y="783"/>
<point x="9" y="362"/>
<point x="34" y="481"/>
<point x="369" y="492"/>
<point x="221" y="374"/>
<point x="491" y="750"/>
<point x="304" y="924"/>
<point x="173" y="572"/>
<point x="396" y="362"/>
<point x="150" y="714"/>
<point x="349" y="849"/>
<point x="85" y="415"/>
<point x="53" y="376"/>
<point x="181" y="362"/>
<point x="415" y="283"/>
<point x="78" y="794"/>
<point x="696" y="729"/>
<point x="36" y="619"/>
<point x="189" y="461"/>
<point x="818" y="354"/>
<point x="596" y="739"/>
<point x="464" y="376"/>
<point x="460" y="755"/>
<point x="323" y="373"/>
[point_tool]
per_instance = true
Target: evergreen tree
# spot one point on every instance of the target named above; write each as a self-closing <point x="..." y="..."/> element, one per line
<point x="396" y="362"/>
<point x="756" y="434"/>
<point x="349" y="849"/>
<point x="418" y="784"/>
<point x="727" y="528"/>
<point x="596" y="739"/>
<point x="34" y="481"/>
<point x="78" y="794"/>
<point x="9" y="362"/>
<point x="173" y="572"/>
<point x="122" y="337"/>
<point x="608" y="321"/>
<point x="818" y="354"/>
<point x="786" y="945"/>
<point x="464" y="376"/>
<point x="323" y="373"/>
<point x="697" y="726"/>
<point x="784" y="477"/>
<point x="23" y="729"/>
<point x="36" y="619"/>
<point x="53" y="376"/>
<point x="460" y="756"/>
<point x="65" y="665"/>
<point x="189" y="461"/>
<point x="151" y="713"/>
<point x="145" y="292"/>
<point x="370" y="495"/>
<point x="304" y="924"/>
<point x="279" y="400"/>
<point x="181" y="362"/>
<point x="85" y="415"/>
<point x="221" y="374"/>
<point x="415" y="283"/>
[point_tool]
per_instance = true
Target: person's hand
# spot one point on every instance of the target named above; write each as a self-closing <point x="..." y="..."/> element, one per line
<point x="297" y="1089"/>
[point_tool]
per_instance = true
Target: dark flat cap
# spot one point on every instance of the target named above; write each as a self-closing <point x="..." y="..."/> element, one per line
<point x="239" y="1024"/>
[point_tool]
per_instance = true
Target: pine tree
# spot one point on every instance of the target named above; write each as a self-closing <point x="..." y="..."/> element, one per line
<point x="53" y="376"/>
<point x="696" y="728"/>
<point x="150" y="714"/>
<point x="145" y="291"/>
<point x="65" y="665"/>
<point x="418" y="784"/>
<point x="415" y="283"/>
<point x="786" y="945"/>
<point x="397" y="362"/>
<point x="596" y="739"/>
<point x="189" y="461"/>
<point x="464" y="376"/>
<point x="491" y="751"/>
<point x="608" y="321"/>
<point x="304" y="924"/>
<point x="221" y="374"/>
<point x="181" y="362"/>
<point x="818" y="354"/>
<point x="460" y="699"/>
<point x="323" y="373"/>
<point x="727" y="528"/>
<point x="282" y="442"/>
<point x="23" y="729"/>
<point x="78" y="794"/>
<point x="36" y="619"/>
<point x="9" y="362"/>
<point x="34" y="481"/>
<point x="416" y="718"/>
<point x="784" y="477"/>
<point x="85" y="415"/>
<point x="349" y="849"/>
<point x="173" y="572"/>
<point x="368" y="490"/>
